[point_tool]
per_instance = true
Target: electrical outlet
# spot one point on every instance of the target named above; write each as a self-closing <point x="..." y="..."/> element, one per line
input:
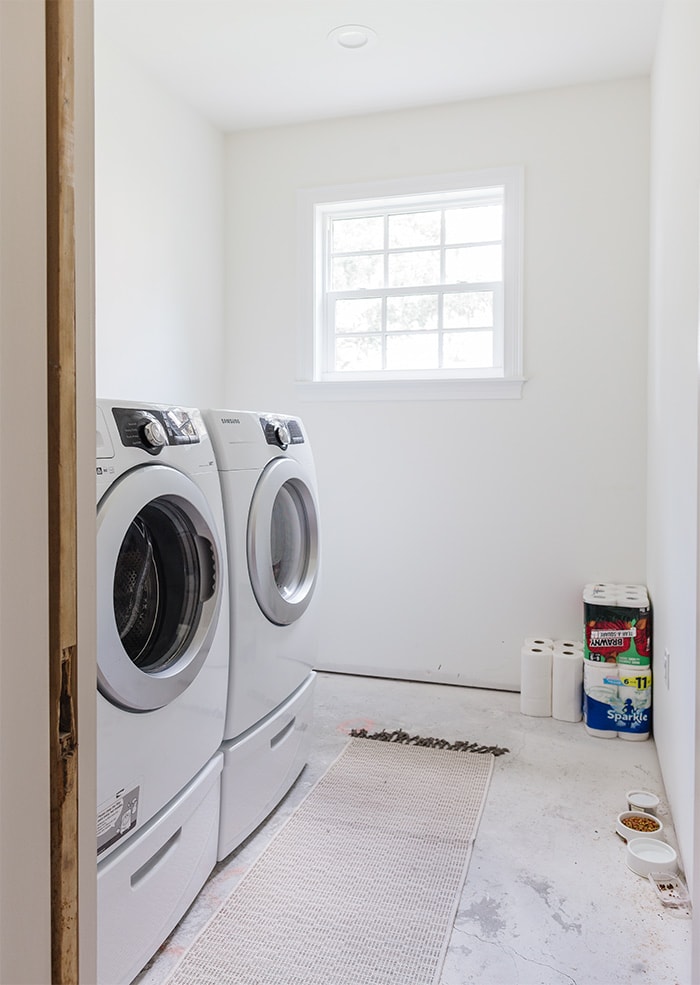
<point x="667" y="667"/>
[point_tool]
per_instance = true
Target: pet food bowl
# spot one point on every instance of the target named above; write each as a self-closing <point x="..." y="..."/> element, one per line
<point x="642" y="800"/>
<point x="647" y="855"/>
<point x="638" y="824"/>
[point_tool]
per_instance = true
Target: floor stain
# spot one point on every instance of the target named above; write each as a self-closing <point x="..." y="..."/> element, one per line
<point x="487" y="913"/>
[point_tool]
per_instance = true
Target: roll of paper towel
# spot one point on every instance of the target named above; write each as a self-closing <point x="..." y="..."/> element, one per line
<point x="567" y="685"/>
<point x="536" y="681"/>
<point x="596" y="685"/>
<point x="538" y="641"/>
<point x="596" y="674"/>
<point x="635" y="694"/>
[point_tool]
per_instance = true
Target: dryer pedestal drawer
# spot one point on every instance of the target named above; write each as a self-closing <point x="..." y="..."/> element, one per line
<point x="146" y="885"/>
<point x="261" y="766"/>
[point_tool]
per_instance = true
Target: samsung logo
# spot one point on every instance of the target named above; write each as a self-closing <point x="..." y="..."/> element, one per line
<point x="230" y="420"/>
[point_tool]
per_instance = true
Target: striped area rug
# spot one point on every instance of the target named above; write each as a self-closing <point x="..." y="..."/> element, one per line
<point x="362" y="883"/>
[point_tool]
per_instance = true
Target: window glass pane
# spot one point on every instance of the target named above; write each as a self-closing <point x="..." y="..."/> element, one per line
<point x="418" y="311"/>
<point x="475" y="224"/>
<point x="353" y="273"/>
<point x="412" y="351"/>
<point x="358" y="353"/>
<point x="473" y="309"/>
<point x="361" y="315"/>
<point x="473" y="264"/>
<point x="351" y="235"/>
<point x="467" y="350"/>
<point x="414" y="229"/>
<point x="414" y="269"/>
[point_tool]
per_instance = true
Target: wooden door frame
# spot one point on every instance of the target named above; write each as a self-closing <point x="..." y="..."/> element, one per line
<point x="70" y="432"/>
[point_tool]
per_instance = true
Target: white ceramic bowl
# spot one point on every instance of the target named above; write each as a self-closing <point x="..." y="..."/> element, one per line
<point x="642" y="800"/>
<point x="647" y="855"/>
<point x="627" y="833"/>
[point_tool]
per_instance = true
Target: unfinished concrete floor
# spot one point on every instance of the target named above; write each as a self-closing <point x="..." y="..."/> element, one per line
<point x="548" y="898"/>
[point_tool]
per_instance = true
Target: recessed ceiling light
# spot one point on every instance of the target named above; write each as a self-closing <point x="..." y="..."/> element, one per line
<point x="353" y="36"/>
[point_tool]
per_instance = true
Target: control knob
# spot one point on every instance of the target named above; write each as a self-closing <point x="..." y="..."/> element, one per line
<point x="282" y="435"/>
<point x="154" y="435"/>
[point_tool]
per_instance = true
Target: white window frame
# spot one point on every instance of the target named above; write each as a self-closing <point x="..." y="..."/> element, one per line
<point x="318" y="205"/>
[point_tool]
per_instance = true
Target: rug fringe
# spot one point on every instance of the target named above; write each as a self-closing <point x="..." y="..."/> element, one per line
<point x="398" y="735"/>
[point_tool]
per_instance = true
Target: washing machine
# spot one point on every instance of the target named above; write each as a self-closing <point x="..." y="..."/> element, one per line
<point x="268" y="483"/>
<point x="162" y="670"/>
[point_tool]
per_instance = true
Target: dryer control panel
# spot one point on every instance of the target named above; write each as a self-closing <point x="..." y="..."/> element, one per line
<point x="151" y="429"/>
<point x="282" y="431"/>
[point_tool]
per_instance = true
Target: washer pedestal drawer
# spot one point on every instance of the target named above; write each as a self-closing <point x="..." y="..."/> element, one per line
<point x="261" y="765"/>
<point x="146" y="885"/>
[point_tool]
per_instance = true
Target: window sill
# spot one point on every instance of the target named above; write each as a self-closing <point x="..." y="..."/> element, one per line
<point x="367" y="390"/>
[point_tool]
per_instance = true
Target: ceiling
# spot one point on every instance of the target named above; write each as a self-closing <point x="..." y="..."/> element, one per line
<point x="254" y="63"/>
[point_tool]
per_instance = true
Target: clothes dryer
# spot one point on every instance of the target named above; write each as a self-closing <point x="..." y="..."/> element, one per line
<point x="162" y="668"/>
<point x="268" y="483"/>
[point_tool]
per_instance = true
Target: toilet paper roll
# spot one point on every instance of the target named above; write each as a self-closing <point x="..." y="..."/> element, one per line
<point x="538" y="641"/>
<point x="536" y="681"/>
<point x="567" y="685"/>
<point x="568" y="645"/>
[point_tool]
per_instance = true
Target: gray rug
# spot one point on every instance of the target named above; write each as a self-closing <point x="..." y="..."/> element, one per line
<point x="362" y="883"/>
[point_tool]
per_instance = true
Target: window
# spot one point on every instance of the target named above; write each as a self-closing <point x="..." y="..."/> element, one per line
<point x="419" y="282"/>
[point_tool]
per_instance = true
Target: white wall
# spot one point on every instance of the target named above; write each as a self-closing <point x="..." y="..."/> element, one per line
<point x="25" y="899"/>
<point x="159" y="239"/>
<point x="673" y="400"/>
<point x="453" y="529"/>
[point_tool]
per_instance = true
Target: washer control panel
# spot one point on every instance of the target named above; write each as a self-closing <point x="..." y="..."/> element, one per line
<point x="282" y="431"/>
<point x="151" y="430"/>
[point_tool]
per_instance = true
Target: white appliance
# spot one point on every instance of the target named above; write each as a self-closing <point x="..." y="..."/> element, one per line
<point x="268" y="483"/>
<point x="162" y="665"/>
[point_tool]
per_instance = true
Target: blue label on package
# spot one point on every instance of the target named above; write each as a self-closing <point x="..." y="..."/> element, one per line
<point x="618" y="716"/>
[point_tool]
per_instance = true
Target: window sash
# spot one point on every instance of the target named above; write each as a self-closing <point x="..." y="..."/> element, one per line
<point x="437" y="194"/>
<point x="383" y="333"/>
<point x="330" y="336"/>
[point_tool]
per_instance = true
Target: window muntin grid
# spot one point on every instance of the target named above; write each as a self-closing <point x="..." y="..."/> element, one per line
<point x="414" y="288"/>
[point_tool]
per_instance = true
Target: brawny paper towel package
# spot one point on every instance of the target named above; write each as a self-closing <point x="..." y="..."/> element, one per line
<point x="536" y="681"/>
<point x="617" y="625"/>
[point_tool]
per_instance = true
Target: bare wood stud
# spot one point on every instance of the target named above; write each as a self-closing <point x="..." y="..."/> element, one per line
<point x="61" y="383"/>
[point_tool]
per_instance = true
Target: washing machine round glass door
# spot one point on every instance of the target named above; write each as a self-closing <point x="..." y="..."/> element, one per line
<point x="283" y="541"/>
<point x="158" y="587"/>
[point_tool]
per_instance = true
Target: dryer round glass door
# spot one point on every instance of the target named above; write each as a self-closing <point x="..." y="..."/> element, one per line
<point x="283" y="541"/>
<point x="158" y="587"/>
